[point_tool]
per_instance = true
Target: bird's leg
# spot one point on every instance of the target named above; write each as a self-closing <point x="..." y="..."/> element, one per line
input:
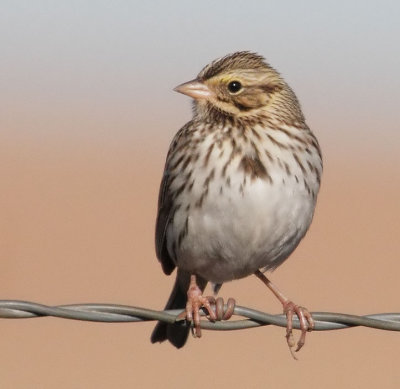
<point x="195" y="301"/>
<point x="289" y="308"/>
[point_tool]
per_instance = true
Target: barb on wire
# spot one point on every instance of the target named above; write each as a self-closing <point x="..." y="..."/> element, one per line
<point x="112" y="313"/>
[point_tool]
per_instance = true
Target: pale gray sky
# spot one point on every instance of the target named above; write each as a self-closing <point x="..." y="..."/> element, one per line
<point x="99" y="60"/>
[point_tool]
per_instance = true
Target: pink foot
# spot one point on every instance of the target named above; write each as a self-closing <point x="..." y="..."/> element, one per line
<point x="195" y="302"/>
<point x="214" y="307"/>
<point x="306" y="323"/>
<point x="289" y="309"/>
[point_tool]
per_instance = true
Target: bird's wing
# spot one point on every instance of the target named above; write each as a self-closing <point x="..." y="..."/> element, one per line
<point x="166" y="209"/>
<point x="163" y="219"/>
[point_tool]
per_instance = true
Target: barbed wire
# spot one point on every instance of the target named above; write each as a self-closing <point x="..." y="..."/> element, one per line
<point x="114" y="313"/>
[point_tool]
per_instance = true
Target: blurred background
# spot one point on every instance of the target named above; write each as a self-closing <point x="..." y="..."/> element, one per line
<point x="87" y="112"/>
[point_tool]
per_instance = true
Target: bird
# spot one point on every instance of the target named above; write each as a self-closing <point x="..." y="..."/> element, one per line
<point x="239" y="189"/>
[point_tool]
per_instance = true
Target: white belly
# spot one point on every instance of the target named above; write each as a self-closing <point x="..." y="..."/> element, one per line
<point x="234" y="234"/>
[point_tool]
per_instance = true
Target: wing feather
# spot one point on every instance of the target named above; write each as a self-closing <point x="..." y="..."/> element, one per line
<point x="165" y="208"/>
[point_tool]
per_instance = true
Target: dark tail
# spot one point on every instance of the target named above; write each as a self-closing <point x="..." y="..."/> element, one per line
<point x="178" y="332"/>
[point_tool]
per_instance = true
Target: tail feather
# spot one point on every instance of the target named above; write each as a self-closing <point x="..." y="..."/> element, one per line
<point x="177" y="333"/>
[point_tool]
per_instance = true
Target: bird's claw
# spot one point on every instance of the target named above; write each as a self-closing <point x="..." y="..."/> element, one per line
<point x="306" y="324"/>
<point x="195" y="302"/>
<point x="220" y="311"/>
<point x="214" y="308"/>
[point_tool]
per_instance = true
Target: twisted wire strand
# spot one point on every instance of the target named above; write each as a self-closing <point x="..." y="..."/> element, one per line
<point x="114" y="313"/>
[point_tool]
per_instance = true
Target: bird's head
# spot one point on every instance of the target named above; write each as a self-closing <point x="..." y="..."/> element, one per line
<point x="239" y="85"/>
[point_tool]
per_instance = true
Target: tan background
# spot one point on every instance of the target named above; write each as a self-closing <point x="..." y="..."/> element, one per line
<point x="84" y="134"/>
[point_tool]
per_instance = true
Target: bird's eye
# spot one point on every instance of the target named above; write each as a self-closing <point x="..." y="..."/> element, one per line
<point x="234" y="86"/>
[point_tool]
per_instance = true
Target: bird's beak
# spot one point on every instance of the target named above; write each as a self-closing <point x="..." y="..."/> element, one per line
<point x="195" y="89"/>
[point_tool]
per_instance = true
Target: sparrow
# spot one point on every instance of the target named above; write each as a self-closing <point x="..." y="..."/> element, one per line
<point x="239" y="189"/>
